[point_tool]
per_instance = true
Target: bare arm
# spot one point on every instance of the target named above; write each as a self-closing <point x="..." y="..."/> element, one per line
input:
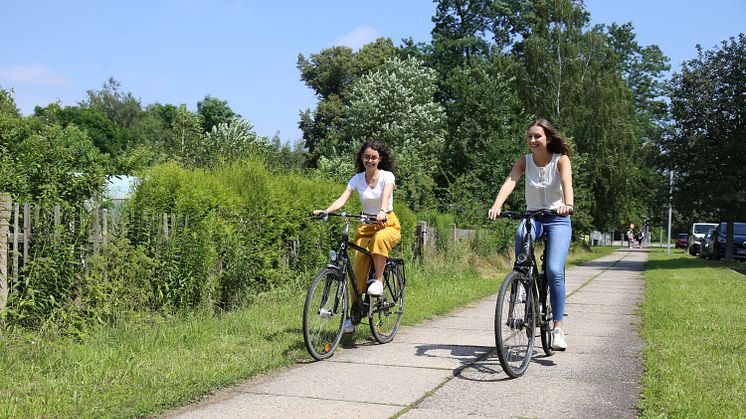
<point x="565" y="169"/>
<point x="339" y="203"/>
<point x="387" y="189"/>
<point x="515" y="175"/>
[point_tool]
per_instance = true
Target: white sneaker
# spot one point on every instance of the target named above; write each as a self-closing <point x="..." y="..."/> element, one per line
<point x="348" y="327"/>
<point x="375" y="289"/>
<point x="558" y="340"/>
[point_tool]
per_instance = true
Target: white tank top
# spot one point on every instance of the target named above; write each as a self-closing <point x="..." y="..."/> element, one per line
<point x="543" y="185"/>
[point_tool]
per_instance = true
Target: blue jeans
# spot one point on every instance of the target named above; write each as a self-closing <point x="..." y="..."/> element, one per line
<point x="559" y="233"/>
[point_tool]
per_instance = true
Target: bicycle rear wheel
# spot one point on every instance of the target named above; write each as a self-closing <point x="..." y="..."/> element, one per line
<point x="389" y="307"/>
<point x="515" y="325"/>
<point x="324" y="313"/>
<point x="546" y="330"/>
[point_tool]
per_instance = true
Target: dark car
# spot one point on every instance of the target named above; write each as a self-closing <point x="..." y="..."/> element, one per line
<point x="715" y="247"/>
<point x="681" y="241"/>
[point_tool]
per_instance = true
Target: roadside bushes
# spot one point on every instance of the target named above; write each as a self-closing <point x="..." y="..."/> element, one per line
<point x="246" y="229"/>
<point x="233" y="232"/>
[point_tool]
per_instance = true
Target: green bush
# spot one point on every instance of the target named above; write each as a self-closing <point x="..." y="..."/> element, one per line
<point x="236" y="231"/>
<point x="248" y="229"/>
<point x="495" y="237"/>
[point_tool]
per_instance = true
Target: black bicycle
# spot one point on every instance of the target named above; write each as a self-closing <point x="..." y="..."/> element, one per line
<point x="326" y="307"/>
<point x="522" y="303"/>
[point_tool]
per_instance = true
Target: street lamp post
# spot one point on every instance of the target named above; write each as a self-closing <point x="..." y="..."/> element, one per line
<point x="670" y="211"/>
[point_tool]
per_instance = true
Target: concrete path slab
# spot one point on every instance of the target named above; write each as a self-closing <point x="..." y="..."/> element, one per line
<point x="447" y="367"/>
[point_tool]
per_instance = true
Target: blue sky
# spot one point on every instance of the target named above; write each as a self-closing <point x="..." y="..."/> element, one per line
<point x="245" y="52"/>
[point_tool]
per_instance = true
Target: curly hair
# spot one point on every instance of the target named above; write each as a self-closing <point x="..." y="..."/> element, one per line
<point x="387" y="161"/>
<point x="556" y="143"/>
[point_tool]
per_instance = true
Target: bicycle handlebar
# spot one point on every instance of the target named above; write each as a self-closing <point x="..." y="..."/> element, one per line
<point x="363" y="218"/>
<point x="527" y="214"/>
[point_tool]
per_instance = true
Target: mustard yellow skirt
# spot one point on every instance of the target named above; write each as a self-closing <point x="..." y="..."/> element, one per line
<point x="378" y="239"/>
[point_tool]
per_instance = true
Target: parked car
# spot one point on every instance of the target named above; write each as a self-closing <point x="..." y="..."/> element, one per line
<point x="698" y="235"/>
<point x="716" y="243"/>
<point x="681" y="241"/>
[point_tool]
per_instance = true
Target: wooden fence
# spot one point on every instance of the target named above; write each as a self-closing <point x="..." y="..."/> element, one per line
<point x="21" y="224"/>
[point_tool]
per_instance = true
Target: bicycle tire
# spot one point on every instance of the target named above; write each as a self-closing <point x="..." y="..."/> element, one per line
<point x="324" y="314"/>
<point x="546" y="330"/>
<point x="386" y="314"/>
<point x="515" y="325"/>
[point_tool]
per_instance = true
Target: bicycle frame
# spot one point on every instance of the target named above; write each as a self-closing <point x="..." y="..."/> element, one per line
<point x="526" y="264"/>
<point x="340" y="260"/>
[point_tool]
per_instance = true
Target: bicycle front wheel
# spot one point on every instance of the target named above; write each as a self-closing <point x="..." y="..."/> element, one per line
<point x="324" y="313"/>
<point x="389" y="307"/>
<point x="515" y="324"/>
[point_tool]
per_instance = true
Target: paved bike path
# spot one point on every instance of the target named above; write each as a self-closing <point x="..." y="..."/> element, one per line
<point x="447" y="367"/>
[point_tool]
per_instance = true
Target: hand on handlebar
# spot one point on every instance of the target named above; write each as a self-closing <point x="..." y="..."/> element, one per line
<point x="493" y="213"/>
<point x="564" y="210"/>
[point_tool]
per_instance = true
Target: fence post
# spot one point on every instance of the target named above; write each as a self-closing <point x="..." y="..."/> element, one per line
<point x="26" y="231"/>
<point x="453" y="233"/>
<point x="420" y="239"/>
<point x="96" y="231"/>
<point x="4" y="226"/>
<point x="15" y="242"/>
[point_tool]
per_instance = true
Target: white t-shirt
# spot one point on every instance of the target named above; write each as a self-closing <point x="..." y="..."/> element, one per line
<point x="370" y="198"/>
<point x="543" y="185"/>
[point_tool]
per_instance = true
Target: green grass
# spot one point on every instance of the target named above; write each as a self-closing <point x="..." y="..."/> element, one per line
<point x="150" y="366"/>
<point x="581" y="256"/>
<point x="694" y="326"/>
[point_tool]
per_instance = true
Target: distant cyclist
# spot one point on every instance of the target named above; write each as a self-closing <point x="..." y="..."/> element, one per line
<point x="374" y="183"/>
<point x="548" y="186"/>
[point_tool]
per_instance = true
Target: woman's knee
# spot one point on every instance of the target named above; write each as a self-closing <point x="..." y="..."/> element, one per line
<point x="555" y="274"/>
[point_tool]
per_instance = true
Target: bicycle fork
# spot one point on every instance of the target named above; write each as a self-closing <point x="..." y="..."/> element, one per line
<point x="517" y="296"/>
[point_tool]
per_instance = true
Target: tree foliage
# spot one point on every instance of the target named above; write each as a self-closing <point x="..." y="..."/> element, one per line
<point x="331" y="73"/>
<point x="214" y="112"/>
<point x="706" y="146"/>
<point x="395" y="105"/>
<point x="121" y="108"/>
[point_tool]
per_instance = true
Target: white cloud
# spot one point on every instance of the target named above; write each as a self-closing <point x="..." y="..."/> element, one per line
<point x="359" y="37"/>
<point x="31" y="74"/>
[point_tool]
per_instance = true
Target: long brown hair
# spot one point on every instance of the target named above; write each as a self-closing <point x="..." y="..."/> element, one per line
<point x="556" y="143"/>
<point x="387" y="161"/>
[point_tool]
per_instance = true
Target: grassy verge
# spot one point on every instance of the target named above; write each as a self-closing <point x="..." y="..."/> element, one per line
<point x="150" y="366"/>
<point x="579" y="256"/>
<point x="694" y="326"/>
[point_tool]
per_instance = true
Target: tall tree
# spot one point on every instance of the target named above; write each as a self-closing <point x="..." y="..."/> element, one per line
<point x="570" y="74"/>
<point x="486" y="133"/>
<point x="706" y="148"/>
<point x="121" y="108"/>
<point x="395" y="105"/>
<point x="187" y="136"/>
<point x="331" y="73"/>
<point x="104" y="133"/>
<point x="460" y="34"/>
<point x="213" y="112"/>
